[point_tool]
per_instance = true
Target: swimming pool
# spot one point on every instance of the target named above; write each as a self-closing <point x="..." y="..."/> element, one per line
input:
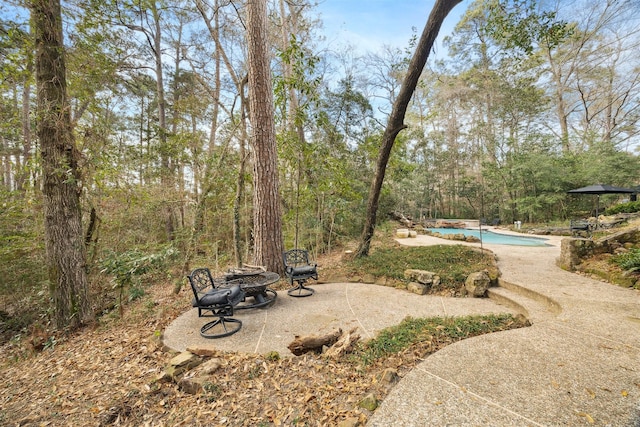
<point x="494" y="238"/>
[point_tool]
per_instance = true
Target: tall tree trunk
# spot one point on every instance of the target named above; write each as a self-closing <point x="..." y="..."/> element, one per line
<point x="240" y="184"/>
<point x="66" y="258"/>
<point x="561" y="108"/>
<point x="23" y="174"/>
<point x="168" y="171"/>
<point x="267" y="214"/>
<point x="396" y="120"/>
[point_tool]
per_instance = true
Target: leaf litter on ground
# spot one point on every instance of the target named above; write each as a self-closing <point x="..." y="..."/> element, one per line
<point x="107" y="375"/>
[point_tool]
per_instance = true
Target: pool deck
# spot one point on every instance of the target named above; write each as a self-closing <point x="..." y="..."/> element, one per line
<point x="577" y="365"/>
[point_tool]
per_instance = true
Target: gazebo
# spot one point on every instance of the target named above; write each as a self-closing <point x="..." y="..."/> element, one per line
<point x="598" y="189"/>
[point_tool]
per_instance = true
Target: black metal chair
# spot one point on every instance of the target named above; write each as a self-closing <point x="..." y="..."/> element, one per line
<point x="581" y="228"/>
<point x="213" y="301"/>
<point x="299" y="269"/>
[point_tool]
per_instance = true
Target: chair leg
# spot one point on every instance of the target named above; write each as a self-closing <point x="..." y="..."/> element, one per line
<point x="301" y="290"/>
<point x="221" y="327"/>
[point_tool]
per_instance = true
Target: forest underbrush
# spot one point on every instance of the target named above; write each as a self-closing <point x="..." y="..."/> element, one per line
<point x="107" y="373"/>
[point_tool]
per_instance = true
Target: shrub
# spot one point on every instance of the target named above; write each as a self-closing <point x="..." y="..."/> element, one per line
<point x="629" y="262"/>
<point x="128" y="267"/>
<point x="629" y="207"/>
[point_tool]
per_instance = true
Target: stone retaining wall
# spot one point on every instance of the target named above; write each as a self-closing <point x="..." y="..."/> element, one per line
<point x="574" y="250"/>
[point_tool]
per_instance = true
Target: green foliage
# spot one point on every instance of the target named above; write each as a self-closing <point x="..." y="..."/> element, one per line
<point x="50" y="344"/>
<point x="629" y="207"/>
<point x="272" y="356"/>
<point x="212" y="391"/>
<point x="23" y="288"/>
<point x="129" y="267"/>
<point x="453" y="263"/>
<point x="302" y="65"/>
<point x="412" y="331"/>
<point x="518" y="24"/>
<point x="629" y="261"/>
<point x="21" y="246"/>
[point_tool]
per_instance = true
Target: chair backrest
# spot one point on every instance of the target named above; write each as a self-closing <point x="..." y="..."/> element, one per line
<point x="295" y="258"/>
<point x="201" y="281"/>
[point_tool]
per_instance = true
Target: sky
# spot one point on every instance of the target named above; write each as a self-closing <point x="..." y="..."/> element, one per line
<point x="367" y="25"/>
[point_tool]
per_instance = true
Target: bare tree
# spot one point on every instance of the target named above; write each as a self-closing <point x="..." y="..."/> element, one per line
<point x="267" y="216"/>
<point x="65" y="248"/>
<point x="395" y="123"/>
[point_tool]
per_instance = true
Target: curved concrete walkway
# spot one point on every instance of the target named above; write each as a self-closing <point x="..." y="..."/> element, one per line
<point x="579" y="364"/>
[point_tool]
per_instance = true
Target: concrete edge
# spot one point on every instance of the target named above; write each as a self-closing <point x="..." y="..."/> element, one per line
<point x="553" y="306"/>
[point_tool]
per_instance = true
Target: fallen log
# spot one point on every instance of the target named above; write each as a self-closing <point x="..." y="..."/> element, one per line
<point x="302" y="345"/>
<point x="344" y="345"/>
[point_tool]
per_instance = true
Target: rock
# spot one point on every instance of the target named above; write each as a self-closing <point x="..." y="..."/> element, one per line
<point x="422" y="276"/>
<point x="164" y="377"/>
<point x="369" y="278"/>
<point x="185" y="359"/>
<point x="381" y="281"/>
<point x="417" y="288"/>
<point x="402" y="233"/>
<point x="572" y="251"/>
<point x="450" y="224"/>
<point x="182" y="363"/>
<point x="202" y="351"/>
<point x="389" y="376"/>
<point x="413" y="234"/>
<point x="477" y="284"/>
<point x="349" y="422"/>
<point x="369" y="402"/>
<point x="210" y="366"/>
<point x="193" y="385"/>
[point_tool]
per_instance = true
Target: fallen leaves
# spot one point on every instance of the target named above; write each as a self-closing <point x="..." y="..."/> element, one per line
<point x="586" y="416"/>
<point x="106" y="376"/>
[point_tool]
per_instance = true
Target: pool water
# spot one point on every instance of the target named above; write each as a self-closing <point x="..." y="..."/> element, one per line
<point x="494" y="238"/>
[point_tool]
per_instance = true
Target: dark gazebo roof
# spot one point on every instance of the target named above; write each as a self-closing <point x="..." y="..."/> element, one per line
<point x="602" y="189"/>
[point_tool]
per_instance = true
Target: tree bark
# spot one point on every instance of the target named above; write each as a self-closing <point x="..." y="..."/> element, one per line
<point x="66" y="258"/>
<point x="395" y="123"/>
<point x="268" y="245"/>
<point x="302" y="345"/>
<point x="23" y="174"/>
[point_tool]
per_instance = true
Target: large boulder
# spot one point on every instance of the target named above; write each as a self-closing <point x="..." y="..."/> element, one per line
<point x="421" y="281"/>
<point x="477" y="284"/>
